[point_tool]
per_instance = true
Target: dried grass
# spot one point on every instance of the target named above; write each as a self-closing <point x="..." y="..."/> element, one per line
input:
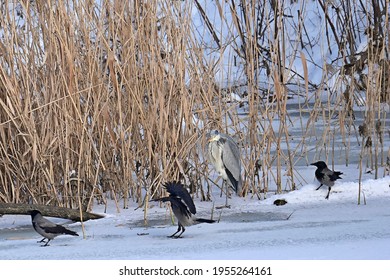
<point x="108" y="102"/>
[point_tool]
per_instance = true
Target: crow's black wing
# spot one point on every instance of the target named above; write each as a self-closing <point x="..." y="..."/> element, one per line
<point x="177" y="189"/>
<point x="176" y="203"/>
<point x="319" y="174"/>
<point x="58" y="229"/>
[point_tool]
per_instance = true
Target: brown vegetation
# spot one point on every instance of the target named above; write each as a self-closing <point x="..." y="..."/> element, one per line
<point x="109" y="102"/>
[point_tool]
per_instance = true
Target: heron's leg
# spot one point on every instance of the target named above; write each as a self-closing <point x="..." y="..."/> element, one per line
<point x="227" y="195"/>
<point x="319" y="187"/>
<point x="223" y="182"/>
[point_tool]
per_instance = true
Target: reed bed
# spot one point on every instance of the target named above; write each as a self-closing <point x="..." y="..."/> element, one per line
<point x="107" y="101"/>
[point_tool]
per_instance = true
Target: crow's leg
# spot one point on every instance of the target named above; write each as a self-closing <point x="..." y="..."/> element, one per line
<point x="327" y="196"/>
<point x="47" y="243"/>
<point x="43" y="240"/>
<point x="182" y="231"/>
<point x="319" y="187"/>
<point x="178" y="229"/>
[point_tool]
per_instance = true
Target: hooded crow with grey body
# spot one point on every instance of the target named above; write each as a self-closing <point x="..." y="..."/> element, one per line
<point x="326" y="176"/>
<point x="183" y="207"/>
<point x="46" y="228"/>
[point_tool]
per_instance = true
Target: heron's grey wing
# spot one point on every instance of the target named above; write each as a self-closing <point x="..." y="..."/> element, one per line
<point x="177" y="189"/>
<point x="231" y="158"/>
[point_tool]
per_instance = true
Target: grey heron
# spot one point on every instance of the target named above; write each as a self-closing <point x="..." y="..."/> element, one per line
<point x="182" y="205"/>
<point x="326" y="176"/>
<point x="224" y="154"/>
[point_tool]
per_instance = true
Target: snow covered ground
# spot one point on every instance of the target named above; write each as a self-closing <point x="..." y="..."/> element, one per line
<point x="308" y="227"/>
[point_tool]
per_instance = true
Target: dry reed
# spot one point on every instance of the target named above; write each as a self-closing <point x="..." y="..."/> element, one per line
<point x="106" y="102"/>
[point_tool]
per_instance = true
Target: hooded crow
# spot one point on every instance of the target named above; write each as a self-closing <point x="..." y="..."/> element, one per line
<point x="326" y="176"/>
<point x="46" y="228"/>
<point x="182" y="205"/>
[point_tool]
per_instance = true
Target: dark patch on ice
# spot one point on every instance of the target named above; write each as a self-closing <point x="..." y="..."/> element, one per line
<point x="249" y="217"/>
<point x="298" y="225"/>
<point x="111" y="236"/>
<point x="243" y="217"/>
<point x="18" y="232"/>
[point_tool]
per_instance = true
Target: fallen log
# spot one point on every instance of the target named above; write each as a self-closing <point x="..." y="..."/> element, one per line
<point x="48" y="210"/>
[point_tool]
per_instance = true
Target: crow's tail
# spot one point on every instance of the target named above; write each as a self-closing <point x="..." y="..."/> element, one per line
<point x="337" y="174"/>
<point x="67" y="231"/>
<point x="205" y="221"/>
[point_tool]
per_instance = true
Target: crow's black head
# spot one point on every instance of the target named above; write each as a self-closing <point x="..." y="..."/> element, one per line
<point x="33" y="213"/>
<point x="320" y="164"/>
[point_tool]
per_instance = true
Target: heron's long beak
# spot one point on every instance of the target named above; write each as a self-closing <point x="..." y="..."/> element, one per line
<point x="213" y="138"/>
